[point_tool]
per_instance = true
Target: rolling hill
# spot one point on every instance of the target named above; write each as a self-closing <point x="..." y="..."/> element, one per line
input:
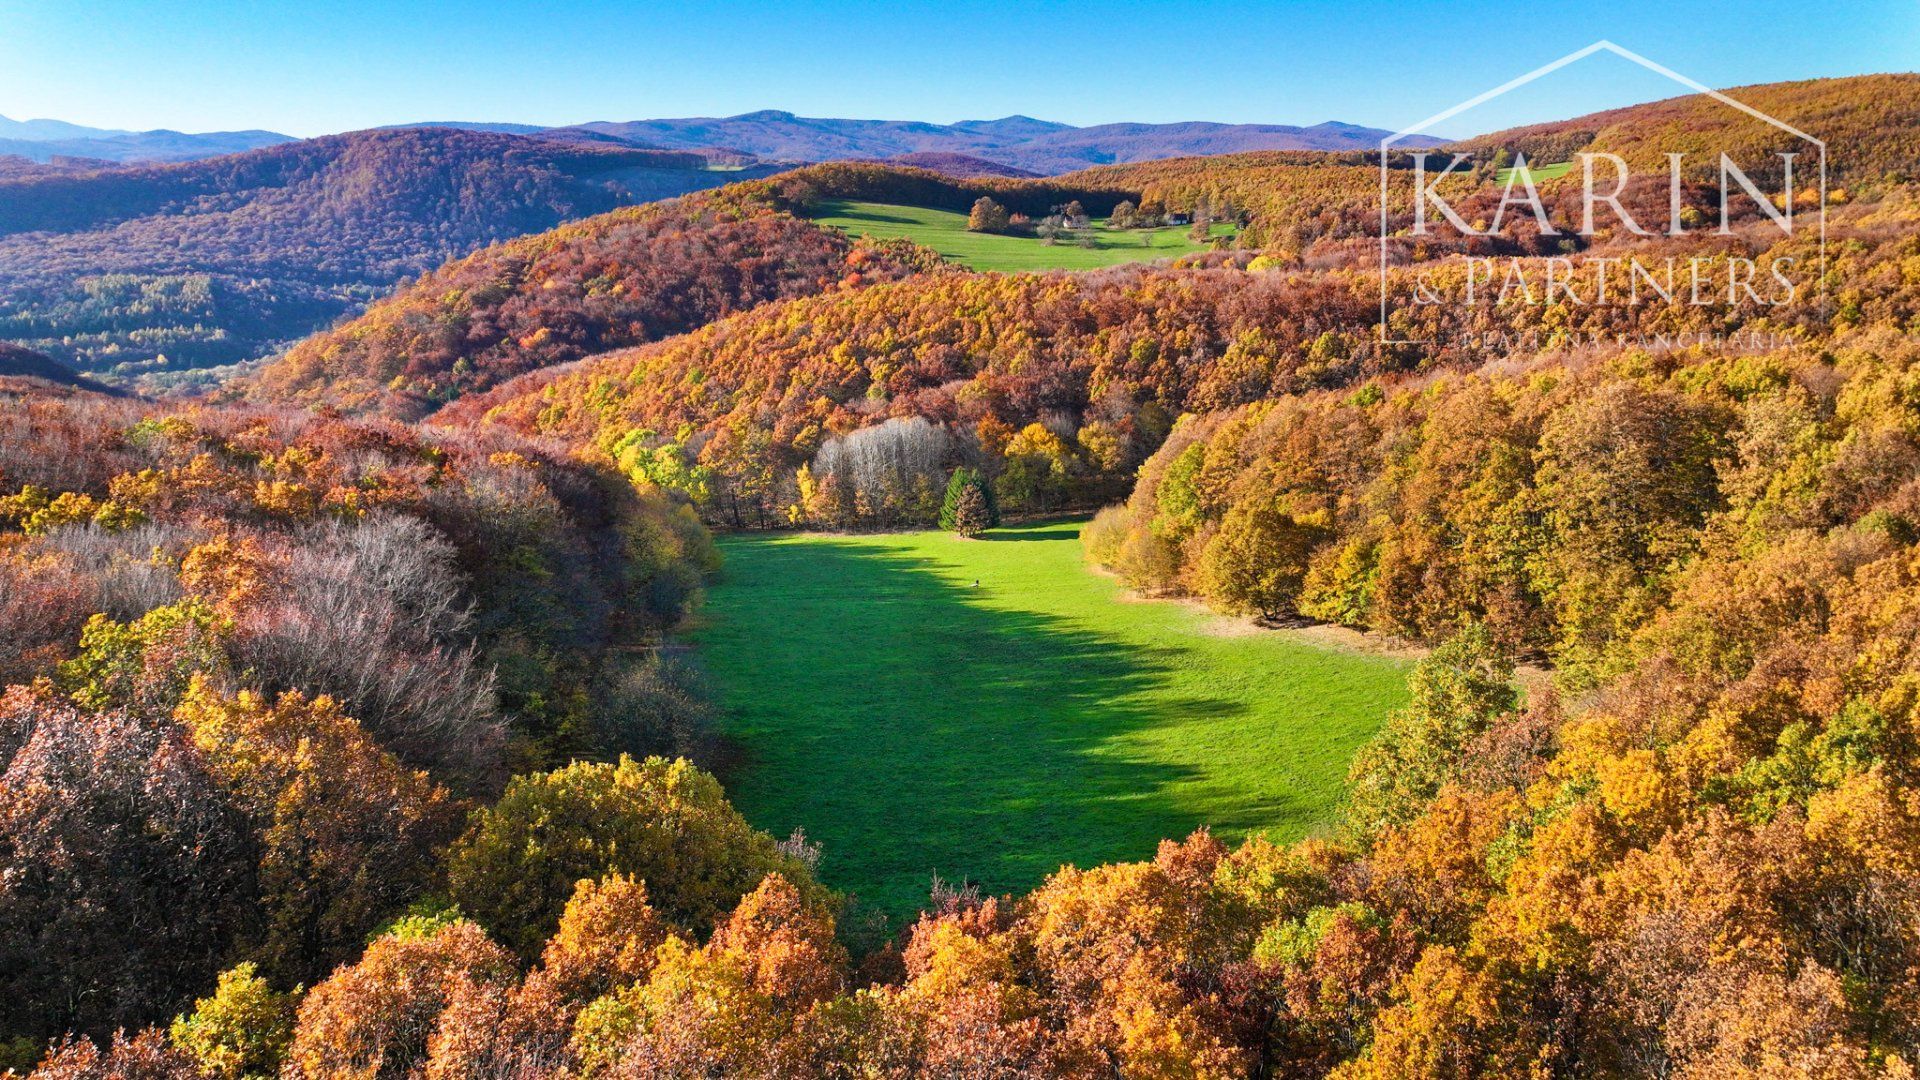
<point x="166" y="268"/>
<point x="1094" y="361"/>
<point x="1870" y="123"/>
<point x="155" y="272"/>
<point x="1300" y="208"/>
<point x="640" y="274"/>
<point x="215" y="262"/>
<point x="622" y="278"/>
<point x="960" y="165"/>
<point x="23" y="370"/>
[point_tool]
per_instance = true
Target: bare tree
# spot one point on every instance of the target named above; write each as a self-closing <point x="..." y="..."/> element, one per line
<point x="889" y="472"/>
<point x="373" y="614"/>
<point x="131" y="569"/>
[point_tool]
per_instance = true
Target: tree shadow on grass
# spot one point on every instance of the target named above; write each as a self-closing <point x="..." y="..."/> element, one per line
<point x="1048" y="531"/>
<point x="912" y="729"/>
<point x="866" y="214"/>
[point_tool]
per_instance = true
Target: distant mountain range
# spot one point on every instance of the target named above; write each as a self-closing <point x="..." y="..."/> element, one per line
<point x="44" y="140"/>
<point x="1015" y="142"/>
<point x="1018" y="142"/>
<point x="149" y="255"/>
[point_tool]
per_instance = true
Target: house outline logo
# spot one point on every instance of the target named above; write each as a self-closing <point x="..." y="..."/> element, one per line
<point x="1600" y="46"/>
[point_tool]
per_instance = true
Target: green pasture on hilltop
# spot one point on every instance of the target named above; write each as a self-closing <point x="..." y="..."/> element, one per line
<point x="946" y="232"/>
<point x="1538" y="173"/>
<point x="916" y="723"/>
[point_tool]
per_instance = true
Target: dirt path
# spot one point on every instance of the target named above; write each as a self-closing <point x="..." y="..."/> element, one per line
<point x="1531" y="677"/>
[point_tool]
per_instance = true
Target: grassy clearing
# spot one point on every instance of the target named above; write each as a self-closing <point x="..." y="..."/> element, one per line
<point x="915" y="724"/>
<point x="946" y="233"/>
<point x="1539" y="173"/>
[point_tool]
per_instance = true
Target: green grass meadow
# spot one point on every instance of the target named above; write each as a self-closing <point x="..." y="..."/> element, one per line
<point x="946" y="232"/>
<point x="1538" y="173"/>
<point x="915" y="724"/>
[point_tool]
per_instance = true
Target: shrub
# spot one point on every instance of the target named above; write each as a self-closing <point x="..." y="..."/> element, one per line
<point x="111" y="827"/>
<point x="1458" y="690"/>
<point x="145" y="665"/>
<point x="663" y="822"/>
<point x="374" y="616"/>
<point x="346" y="833"/>
<point x="1104" y="536"/>
<point x="375" y="1018"/>
<point x="658" y="707"/>
<point x="145" y="1056"/>
<point x="242" y="1031"/>
<point x="1256" y="560"/>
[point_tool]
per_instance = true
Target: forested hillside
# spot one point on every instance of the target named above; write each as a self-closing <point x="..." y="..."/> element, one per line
<point x="1871" y="125"/>
<point x="620" y="279"/>
<point x="1063" y="382"/>
<point x="210" y="262"/>
<point x="25" y="367"/>
<point x="297" y="649"/>
<point x="1293" y="201"/>
<point x="359" y="694"/>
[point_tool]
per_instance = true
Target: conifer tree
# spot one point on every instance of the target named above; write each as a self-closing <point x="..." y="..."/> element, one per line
<point x="968" y="508"/>
<point x="970" y="512"/>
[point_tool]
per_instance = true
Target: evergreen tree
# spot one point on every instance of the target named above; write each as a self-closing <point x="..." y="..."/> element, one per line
<point x="970" y="512"/>
<point x="968" y="508"/>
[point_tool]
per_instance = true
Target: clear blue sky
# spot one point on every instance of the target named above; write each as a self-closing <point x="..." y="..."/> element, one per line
<point x="333" y="65"/>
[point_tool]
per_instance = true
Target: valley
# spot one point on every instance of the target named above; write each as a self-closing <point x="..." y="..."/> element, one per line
<point x="986" y="710"/>
<point x="822" y="623"/>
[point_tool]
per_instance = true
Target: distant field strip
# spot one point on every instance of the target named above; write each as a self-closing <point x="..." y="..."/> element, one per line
<point x="946" y="233"/>
<point x="1537" y="173"/>
<point x="916" y="724"/>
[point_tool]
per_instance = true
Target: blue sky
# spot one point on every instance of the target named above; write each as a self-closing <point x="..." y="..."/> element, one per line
<point x="333" y="65"/>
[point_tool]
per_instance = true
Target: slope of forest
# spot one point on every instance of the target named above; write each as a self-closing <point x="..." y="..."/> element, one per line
<point x="1293" y="201"/>
<point x="1870" y="123"/>
<point x="623" y="278"/>
<point x="213" y="594"/>
<point x="954" y="164"/>
<point x="1058" y="385"/>
<point x="590" y="289"/>
<point x="620" y="279"/>
<point x="1286" y="201"/>
<point x="26" y="368"/>
<point x="210" y="262"/>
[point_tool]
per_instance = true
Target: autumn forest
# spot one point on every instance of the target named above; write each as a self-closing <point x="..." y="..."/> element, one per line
<point x="482" y="604"/>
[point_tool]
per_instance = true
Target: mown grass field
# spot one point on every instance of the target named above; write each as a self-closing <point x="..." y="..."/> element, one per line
<point x="1538" y="173"/>
<point x="915" y="724"/>
<point x="946" y="233"/>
